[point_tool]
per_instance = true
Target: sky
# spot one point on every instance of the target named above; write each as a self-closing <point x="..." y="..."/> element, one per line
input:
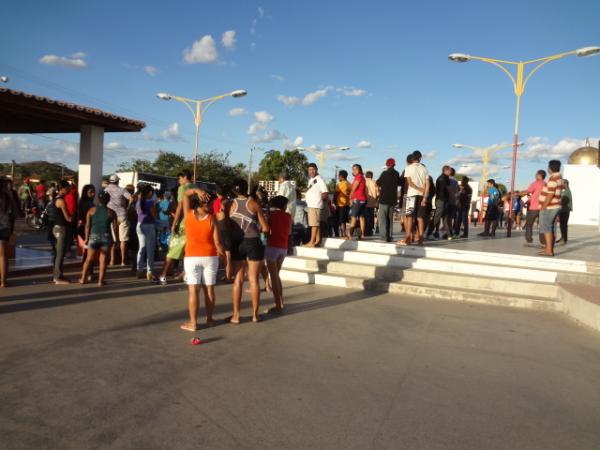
<point x="373" y="76"/>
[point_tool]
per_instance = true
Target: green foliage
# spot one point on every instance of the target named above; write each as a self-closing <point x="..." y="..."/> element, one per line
<point x="41" y="170"/>
<point x="292" y="161"/>
<point x="212" y="167"/>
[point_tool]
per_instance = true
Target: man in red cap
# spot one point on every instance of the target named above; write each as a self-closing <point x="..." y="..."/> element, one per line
<point x="388" y="183"/>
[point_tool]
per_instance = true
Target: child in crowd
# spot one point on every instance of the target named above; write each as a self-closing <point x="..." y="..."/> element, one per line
<point x="202" y="251"/>
<point x="99" y="223"/>
<point x="280" y="223"/>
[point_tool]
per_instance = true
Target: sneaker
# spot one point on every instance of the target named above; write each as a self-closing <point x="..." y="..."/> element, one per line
<point x="61" y="281"/>
<point x="163" y="281"/>
<point x="451" y="237"/>
<point x="528" y="244"/>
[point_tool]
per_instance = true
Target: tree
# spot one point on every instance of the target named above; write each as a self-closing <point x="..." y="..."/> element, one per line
<point x="293" y="162"/>
<point x="215" y="167"/>
<point x="136" y="165"/>
<point x="169" y="164"/>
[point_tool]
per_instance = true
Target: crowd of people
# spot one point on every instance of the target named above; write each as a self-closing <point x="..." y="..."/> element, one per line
<point x="249" y="235"/>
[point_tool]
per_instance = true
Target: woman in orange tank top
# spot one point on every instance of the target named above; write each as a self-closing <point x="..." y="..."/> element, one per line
<point x="202" y="251"/>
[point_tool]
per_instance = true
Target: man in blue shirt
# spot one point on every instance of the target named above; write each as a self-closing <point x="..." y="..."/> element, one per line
<point x="491" y="213"/>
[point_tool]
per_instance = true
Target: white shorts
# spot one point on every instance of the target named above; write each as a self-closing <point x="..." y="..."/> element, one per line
<point x="201" y="269"/>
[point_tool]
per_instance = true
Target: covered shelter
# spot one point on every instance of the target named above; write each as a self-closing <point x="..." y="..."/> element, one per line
<point x="24" y="113"/>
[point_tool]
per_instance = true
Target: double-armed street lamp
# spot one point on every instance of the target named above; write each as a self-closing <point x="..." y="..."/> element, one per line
<point x="486" y="153"/>
<point x="321" y="155"/>
<point x="198" y="108"/>
<point x="519" y="82"/>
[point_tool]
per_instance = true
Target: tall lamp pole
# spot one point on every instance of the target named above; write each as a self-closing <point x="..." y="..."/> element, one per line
<point x="198" y="108"/>
<point x="486" y="153"/>
<point x="519" y="82"/>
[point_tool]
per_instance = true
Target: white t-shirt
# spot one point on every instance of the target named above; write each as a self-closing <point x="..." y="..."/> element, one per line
<point x="316" y="187"/>
<point x="418" y="175"/>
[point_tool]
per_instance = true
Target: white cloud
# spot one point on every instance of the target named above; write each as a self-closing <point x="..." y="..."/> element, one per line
<point x="114" y="146"/>
<point x="429" y="155"/>
<point x="63" y="61"/>
<point x="233" y="112"/>
<point x="298" y="141"/>
<point x="288" y="101"/>
<point x="277" y="77"/>
<point x="54" y="150"/>
<point x="342" y="157"/>
<point x="351" y="91"/>
<point x="312" y="97"/>
<point x="364" y="144"/>
<point x="263" y="118"/>
<point x="540" y="149"/>
<point x="228" y="39"/>
<point x="172" y="133"/>
<point x="150" y="70"/>
<point x="77" y="55"/>
<point x="269" y="136"/>
<point x="202" y="51"/>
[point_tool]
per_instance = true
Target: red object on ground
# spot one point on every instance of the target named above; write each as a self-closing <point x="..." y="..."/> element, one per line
<point x="195" y="341"/>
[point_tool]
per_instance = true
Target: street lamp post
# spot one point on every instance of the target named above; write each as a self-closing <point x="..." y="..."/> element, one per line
<point x="250" y="162"/>
<point x="485" y="159"/>
<point x="519" y="84"/>
<point x="198" y="108"/>
<point x="321" y="155"/>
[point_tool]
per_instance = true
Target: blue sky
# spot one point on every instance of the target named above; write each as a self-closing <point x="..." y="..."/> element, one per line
<point x="317" y="73"/>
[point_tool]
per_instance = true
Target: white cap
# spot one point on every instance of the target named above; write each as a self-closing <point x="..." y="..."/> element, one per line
<point x="114" y="178"/>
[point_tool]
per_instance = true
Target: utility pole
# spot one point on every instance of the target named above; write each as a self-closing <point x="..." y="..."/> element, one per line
<point x="250" y="168"/>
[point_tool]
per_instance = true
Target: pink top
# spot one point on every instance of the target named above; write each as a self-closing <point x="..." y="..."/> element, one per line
<point x="360" y="193"/>
<point x="535" y="189"/>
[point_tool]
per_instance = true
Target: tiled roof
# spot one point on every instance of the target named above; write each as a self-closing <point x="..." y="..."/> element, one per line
<point x="111" y="121"/>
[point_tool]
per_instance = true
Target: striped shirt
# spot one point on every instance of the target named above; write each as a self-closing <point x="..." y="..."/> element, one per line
<point x="552" y="189"/>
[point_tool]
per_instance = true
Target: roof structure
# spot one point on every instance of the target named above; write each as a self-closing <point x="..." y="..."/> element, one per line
<point x="21" y="112"/>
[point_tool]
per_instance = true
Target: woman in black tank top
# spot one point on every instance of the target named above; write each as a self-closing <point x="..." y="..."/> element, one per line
<point x="247" y="251"/>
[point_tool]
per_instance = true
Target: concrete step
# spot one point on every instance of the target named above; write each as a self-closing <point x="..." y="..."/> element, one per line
<point x="443" y="279"/>
<point x="426" y="291"/>
<point x="426" y="263"/>
<point x="499" y="259"/>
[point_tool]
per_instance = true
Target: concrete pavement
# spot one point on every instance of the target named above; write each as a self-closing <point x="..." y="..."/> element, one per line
<point x="109" y="368"/>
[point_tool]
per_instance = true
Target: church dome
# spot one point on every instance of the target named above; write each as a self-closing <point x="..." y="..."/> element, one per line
<point x="584" y="156"/>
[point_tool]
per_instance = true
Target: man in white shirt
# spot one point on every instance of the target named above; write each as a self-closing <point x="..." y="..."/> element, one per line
<point x="417" y="178"/>
<point x="287" y="189"/>
<point x="316" y="196"/>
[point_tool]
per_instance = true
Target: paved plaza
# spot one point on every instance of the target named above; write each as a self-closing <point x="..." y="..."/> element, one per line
<point x="84" y="368"/>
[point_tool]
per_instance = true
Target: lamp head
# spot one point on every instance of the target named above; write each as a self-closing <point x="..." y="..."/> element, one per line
<point x="344" y="149"/>
<point x="587" y="51"/>
<point x="457" y="145"/>
<point x="459" y="57"/>
<point x="163" y="96"/>
<point x="3" y="79"/>
<point x="238" y="93"/>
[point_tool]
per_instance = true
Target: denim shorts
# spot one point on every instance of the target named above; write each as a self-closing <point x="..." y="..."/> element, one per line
<point x="358" y="208"/>
<point x="548" y="219"/>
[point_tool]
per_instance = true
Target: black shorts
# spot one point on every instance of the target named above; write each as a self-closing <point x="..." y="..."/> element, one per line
<point x="414" y="207"/>
<point x="343" y="213"/>
<point x="250" y="249"/>
<point x="4" y="234"/>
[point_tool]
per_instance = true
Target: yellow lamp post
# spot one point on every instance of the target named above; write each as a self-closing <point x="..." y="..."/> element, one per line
<point x="519" y="82"/>
<point x="486" y="153"/>
<point x="321" y="155"/>
<point x="198" y="108"/>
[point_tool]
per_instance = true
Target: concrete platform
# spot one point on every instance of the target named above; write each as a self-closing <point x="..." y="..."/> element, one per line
<point x="86" y="368"/>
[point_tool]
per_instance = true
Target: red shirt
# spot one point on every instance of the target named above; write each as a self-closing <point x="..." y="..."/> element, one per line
<point x="535" y="189"/>
<point x="360" y="193"/>
<point x="217" y="204"/>
<point x="280" y="224"/>
<point x="40" y="191"/>
<point x="71" y="201"/>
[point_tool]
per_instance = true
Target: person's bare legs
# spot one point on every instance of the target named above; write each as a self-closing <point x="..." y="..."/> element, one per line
<point x="3" y="265"/>
<point x="239" y="271"/>
<point x="254" y="268"/>
<point x="408" y="237"/>
<point x="265" y="275"/>
<point x="113" y="251"/>
<point x="228" y="264"/>
<point x="123" y="253"/>
<point x="86" y="265"/>
<point x="352" y="228"/>
<point x="420" y="229"/>
<point x="102" y="270"/>
<point x="192" y="324"/>
<point x="315" y="236"/>
<point x="274" y="267"/>
<point x="549" y="238"/>
<point x="209" y="302"/>
<point x="363" y="226"/>
<point x="167" y="266"/>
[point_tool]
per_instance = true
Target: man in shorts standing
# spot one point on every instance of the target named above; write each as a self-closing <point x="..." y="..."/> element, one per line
<point x="417" y="178"/>
<point x="119" y="202"/>
<point x="550" y="203"/>
<point x="316" y="195"/>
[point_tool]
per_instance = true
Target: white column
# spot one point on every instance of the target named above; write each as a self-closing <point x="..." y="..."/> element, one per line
<point x="91" y="154"/>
